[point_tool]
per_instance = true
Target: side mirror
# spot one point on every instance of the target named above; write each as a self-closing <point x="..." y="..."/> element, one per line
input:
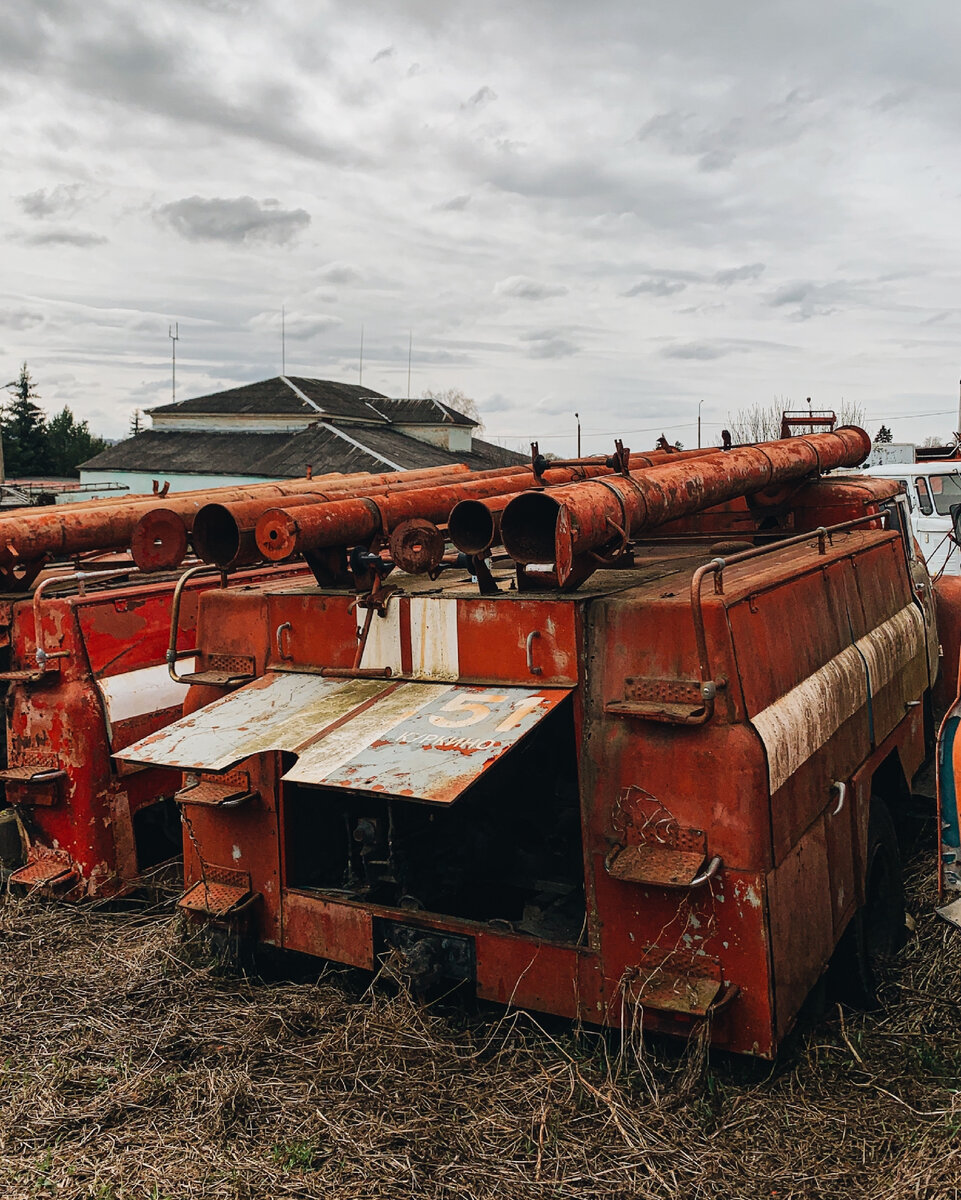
<point x="956" y="522"/>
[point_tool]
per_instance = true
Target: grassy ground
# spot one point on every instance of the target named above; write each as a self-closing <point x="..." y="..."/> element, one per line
<point x="132" y="1065"/>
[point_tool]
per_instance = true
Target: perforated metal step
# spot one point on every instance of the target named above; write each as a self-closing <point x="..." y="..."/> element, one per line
<point x="221" y="893"/>
<point x="660" y="866"/>
<point x="46" y="870"/>
<point x="219" y="791"/>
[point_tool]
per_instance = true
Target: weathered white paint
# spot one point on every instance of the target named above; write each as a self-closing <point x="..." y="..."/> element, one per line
<point x="795" y="726"/>
<point x="280" y="711"/>
<point x="146" y="690"/>
<point x="382" y="648"/>
<point x="433" y="637"/>
<point x="330" y="753"/>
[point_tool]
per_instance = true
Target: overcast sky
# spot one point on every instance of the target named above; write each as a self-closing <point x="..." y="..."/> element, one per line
<point x="618" y="207"/>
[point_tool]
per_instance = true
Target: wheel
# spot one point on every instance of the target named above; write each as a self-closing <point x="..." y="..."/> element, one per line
<point x="876" y="931"/>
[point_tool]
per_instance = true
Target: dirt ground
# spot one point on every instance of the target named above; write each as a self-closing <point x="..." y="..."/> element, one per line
<point x="133" y="1064"/>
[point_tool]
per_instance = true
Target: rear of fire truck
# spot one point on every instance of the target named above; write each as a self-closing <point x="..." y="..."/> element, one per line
<point x="655" y="787"/>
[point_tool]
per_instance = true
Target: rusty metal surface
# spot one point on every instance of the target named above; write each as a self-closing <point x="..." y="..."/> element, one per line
<point x="629" y="823"/>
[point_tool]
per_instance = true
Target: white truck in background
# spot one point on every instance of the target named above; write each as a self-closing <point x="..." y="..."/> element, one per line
<point x="932" y="489"/>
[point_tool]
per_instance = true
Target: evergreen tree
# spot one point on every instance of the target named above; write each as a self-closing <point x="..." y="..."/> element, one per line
<point x="69" y="443"/>
<point x="136" y="423"/>
<point x="884" y="435"/>
<point x="31" y="445"/>
<point x="23" y="428"/>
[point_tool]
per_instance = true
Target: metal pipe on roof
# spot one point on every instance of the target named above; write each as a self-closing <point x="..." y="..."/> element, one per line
<point x="159" y="539"/>
<point x="566" y="524"/>
<point x="281" y="533"/>
<point x="224" y="534"/>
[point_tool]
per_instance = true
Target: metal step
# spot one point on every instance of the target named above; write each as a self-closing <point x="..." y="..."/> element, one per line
<point x="221" y="893"/>
<point x="662" y="866"/>
<point x="46" y="870"/>
<point x="223" y="791"/>
<point x="217" y="678"/>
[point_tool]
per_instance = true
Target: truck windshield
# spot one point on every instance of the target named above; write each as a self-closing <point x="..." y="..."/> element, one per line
<point x="945" y="490"/>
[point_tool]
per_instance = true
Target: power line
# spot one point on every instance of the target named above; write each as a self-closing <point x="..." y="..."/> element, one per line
<point x="544" y="437"/>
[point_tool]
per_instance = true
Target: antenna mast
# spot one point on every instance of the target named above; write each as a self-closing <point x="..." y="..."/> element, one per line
<point x="283" y="339"/>
<point x="410" y="348"/>
<point x="173" y="332"/>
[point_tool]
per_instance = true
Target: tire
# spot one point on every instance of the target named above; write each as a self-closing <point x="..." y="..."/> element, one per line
<point x="876" y="932"/>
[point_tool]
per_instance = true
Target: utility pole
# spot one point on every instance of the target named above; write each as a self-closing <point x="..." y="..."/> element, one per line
<point x="410" y="350"/>
<point x="283" y="339"/>
<point x="173" y="332"/>
<point x="577" y="418"/>
<point x="699" y="403"/>
<point x="360" y="379"/>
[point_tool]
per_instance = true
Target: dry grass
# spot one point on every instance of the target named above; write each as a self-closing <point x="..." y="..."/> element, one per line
<point x="132" y="1065"/>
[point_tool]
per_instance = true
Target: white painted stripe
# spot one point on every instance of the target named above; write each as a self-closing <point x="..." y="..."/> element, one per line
<point x="887" y="648"/>
<point x="146" y="690"/>
<point x="297" y="392"/>
<point x="382" y="648"/>
<point x="360" y="446"/>
<point x="433" y="638"/>
<point x="797" y="725"/>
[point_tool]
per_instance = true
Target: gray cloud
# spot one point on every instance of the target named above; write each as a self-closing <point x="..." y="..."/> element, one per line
<point x="482" y="97"/>
<point x="65" y="237"/>
<point x="455" y="204"/>
<point x="241" y="219"/>
<point x="106" y="52"/>
<point x="808" y="299"/>
<point x="549" y="343"/>
<point x="523" y="288"/>
<point x="336" y="272"/>
<point x="387" y="52"/>
<point x="656" y="287"/>
<point x="300" y="327"/>
<point x="698" y="351"/>
<point x="60" y="201"/>
<point x="738" y="274"/>
<point x="20" y="318"/>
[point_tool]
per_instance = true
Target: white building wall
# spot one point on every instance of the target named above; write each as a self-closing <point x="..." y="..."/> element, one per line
<point x="231" y="423"/>
<point x="449" y="437"/>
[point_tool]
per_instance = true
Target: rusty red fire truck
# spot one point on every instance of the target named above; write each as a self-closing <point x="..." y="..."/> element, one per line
<point x="644" y="763"/>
